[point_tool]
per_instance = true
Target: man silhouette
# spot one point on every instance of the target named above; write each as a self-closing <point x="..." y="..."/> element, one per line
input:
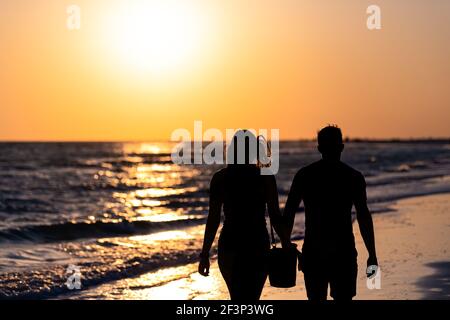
<point x="329" y="188"/>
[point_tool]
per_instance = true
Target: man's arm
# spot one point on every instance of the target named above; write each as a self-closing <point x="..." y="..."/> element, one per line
<point x="365" y="221"/>
<point x="292" y="203"/>
<point x="273" y="207"/>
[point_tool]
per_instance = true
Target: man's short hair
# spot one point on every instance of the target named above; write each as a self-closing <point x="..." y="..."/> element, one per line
<point x="331" y="135"/>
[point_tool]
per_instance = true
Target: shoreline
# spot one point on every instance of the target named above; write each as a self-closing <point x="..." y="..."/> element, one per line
<point x="412" y="247"/>
<point x="411" y="240"/>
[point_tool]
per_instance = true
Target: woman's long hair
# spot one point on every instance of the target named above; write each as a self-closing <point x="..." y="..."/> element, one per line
<point x="247" y="149"/>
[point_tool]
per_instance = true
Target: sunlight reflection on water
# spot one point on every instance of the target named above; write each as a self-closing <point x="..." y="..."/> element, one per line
<point x="160" y="236"/>
<point x="175" y="283"/>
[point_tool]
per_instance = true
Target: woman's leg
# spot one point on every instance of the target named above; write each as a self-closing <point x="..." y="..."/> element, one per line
<point x="226" y="260"/>
<point x="244" y="274"/>
<point x="254" y="273"/>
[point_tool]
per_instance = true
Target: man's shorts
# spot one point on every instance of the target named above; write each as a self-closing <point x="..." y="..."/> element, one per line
<point x="340" y="274"/>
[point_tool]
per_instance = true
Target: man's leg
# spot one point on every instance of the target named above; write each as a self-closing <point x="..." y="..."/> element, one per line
<point x="316" y="284"/>
<point x="343" y="280"/>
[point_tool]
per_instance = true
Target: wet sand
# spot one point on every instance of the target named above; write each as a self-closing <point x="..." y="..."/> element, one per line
<point x="413" y="250"/>
<point x="413" y="247"/>
<point x="413" y="244"/>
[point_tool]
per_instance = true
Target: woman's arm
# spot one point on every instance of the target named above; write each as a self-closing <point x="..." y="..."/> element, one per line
<point x="212" y="224"/>
<point x="273" y="206"/>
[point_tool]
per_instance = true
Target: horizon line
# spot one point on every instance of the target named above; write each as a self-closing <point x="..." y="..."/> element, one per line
<point x="346" y="139"/>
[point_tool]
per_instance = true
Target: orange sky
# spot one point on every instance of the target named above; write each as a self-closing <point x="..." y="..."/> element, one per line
<point x="292" y="65"/>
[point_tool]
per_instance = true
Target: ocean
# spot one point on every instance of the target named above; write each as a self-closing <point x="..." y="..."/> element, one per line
<point x="123" y="210"/>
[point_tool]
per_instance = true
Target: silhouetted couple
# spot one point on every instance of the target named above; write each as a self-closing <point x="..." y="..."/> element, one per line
<point x="329" y="189"/>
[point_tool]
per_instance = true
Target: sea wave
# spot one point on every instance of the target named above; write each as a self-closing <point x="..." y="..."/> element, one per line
<point x="94" y="202"/>
<point x="95" y="230"/>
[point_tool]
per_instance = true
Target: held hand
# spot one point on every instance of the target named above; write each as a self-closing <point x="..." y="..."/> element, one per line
<point x="287" y="244"/>
<point x="203" y="266"/>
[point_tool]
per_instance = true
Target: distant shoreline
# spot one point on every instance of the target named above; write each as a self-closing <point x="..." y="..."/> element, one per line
<point x="347" y="140"/>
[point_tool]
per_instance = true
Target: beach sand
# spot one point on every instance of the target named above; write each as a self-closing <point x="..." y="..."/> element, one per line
<point x="413" y="248"/>
<point x="413" y="245"/>
<point x="413" y="251"/>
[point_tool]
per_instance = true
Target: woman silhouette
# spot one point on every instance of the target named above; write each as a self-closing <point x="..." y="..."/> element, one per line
<point x="244" y="195"/>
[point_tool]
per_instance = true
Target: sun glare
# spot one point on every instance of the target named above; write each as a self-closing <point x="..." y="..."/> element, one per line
<point x="159" y="37"/>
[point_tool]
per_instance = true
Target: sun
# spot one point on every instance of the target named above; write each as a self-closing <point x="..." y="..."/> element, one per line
<point x="158" y="37"/>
